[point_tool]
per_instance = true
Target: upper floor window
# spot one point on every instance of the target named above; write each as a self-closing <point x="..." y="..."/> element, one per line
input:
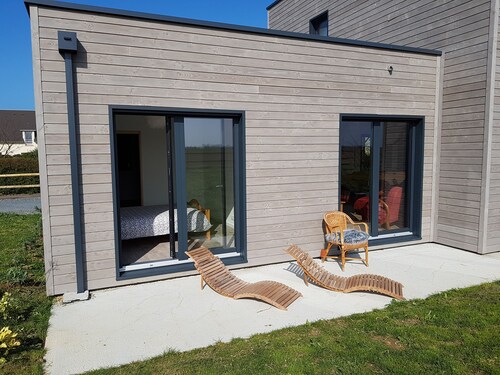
<point x="319" y="25"/>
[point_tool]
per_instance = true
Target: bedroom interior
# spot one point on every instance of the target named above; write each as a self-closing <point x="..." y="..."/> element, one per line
<point x="146" y="186"/>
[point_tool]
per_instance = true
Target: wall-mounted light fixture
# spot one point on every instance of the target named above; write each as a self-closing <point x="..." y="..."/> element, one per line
<point x="390" y="70"/>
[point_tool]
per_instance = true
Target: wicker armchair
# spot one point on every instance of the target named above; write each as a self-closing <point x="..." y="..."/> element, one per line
<point x="346" y="234"/>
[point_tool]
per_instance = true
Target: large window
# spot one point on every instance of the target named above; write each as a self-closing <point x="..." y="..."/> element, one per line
<point x="209" y="163"/>
<point x="319" y="25"/>
<point x="178" y="185"/>
<point x="381" y="173"/>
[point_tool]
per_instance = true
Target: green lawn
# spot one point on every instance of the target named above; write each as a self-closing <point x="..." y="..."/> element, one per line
<point x="456" y="332"/>
<point x="22" y="275"/>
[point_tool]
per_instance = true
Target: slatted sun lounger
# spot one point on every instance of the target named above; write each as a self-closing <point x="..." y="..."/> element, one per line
<point x="364" y="282"/>
<point x="220" y="279"/>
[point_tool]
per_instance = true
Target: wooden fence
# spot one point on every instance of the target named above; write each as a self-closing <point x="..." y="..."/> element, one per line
<point x="19" y="175"/>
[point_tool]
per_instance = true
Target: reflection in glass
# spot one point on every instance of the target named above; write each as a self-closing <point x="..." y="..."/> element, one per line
<point x="355" y="148"/>
<point x="358" y="172"/>
<point x="393" y="210"/>
<point x="209" y="156"/>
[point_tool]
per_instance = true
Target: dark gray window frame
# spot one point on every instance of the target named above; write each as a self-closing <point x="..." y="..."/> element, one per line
<point x="316" y="21"/>
<point x="415" y="171"/>
<point x="239" y="178"/>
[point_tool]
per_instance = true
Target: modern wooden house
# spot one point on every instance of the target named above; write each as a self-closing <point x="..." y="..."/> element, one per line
<point x="158" y="134"/>
<point x="467" y="180"/>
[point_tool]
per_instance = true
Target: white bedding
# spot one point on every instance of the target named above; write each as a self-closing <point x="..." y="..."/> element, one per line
<point x="149" y="221"/>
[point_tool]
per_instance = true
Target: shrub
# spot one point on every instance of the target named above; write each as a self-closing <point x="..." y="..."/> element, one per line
<point x="4" y="305"/>
<point x="16" y="164"/>
<point x="19" y="164"/>
<point x="8" y="341"/>
<point x="23" y="302"/>
<point x="30" y="155"/>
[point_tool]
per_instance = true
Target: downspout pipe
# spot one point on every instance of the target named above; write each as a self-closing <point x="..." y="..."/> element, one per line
<point x="68" y="46"/>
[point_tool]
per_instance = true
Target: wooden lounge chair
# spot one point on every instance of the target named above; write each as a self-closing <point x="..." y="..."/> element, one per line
<point x="357" y="283"/>
<point x="220" y="279"/>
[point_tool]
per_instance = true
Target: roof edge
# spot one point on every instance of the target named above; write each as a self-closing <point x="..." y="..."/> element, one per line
<point x="226" y="26"/>
<point x="273" y="4"/>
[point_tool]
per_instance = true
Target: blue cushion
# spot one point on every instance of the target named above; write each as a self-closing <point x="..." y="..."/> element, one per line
<point x="351" y="237"/>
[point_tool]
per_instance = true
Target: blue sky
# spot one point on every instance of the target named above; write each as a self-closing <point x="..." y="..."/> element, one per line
<point x="16" y="75"/>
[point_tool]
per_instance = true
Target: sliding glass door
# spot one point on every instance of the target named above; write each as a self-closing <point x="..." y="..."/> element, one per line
<point x="393" y="176"/>
<point x="187" y="183"/>
<point x="356" y="144"/>
<point x="207" y="182"/>
<point x="381" y="174"/>
<point x="209" y="174"/>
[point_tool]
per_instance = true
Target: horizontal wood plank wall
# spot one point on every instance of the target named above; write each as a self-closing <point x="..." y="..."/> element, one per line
<point x="292" y="91"/>
<point x="294" y="15"/>
<point x="460" y="29"/>
<point x="42" y="160"/>
<point x="493" y="236"/>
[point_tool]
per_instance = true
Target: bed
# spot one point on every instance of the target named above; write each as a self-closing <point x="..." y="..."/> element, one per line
<point x="150" y="221"/>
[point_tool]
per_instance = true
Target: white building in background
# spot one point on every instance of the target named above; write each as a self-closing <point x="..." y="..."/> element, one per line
<point x="17" y="132"/>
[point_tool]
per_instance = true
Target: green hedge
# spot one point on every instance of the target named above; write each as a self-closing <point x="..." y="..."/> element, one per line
<point x="24" y="163"/>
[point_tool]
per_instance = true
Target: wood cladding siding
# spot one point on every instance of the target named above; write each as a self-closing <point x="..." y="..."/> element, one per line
<point x="460" y="29"/>
<point x="37" y="79"/>
<point x="292" y="104"/>
<point x="493" y="226"/>
<point x="294" y="15"/>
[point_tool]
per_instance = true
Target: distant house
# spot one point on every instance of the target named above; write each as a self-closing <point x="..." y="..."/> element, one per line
<point x="17" y="132"/>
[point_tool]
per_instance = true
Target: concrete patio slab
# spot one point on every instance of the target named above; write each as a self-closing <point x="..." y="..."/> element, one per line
<point x="122" y="325"/>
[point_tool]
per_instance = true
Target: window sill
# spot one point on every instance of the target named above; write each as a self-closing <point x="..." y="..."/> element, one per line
<point x="403" y="237"/>
<point x="175" y="266"/>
